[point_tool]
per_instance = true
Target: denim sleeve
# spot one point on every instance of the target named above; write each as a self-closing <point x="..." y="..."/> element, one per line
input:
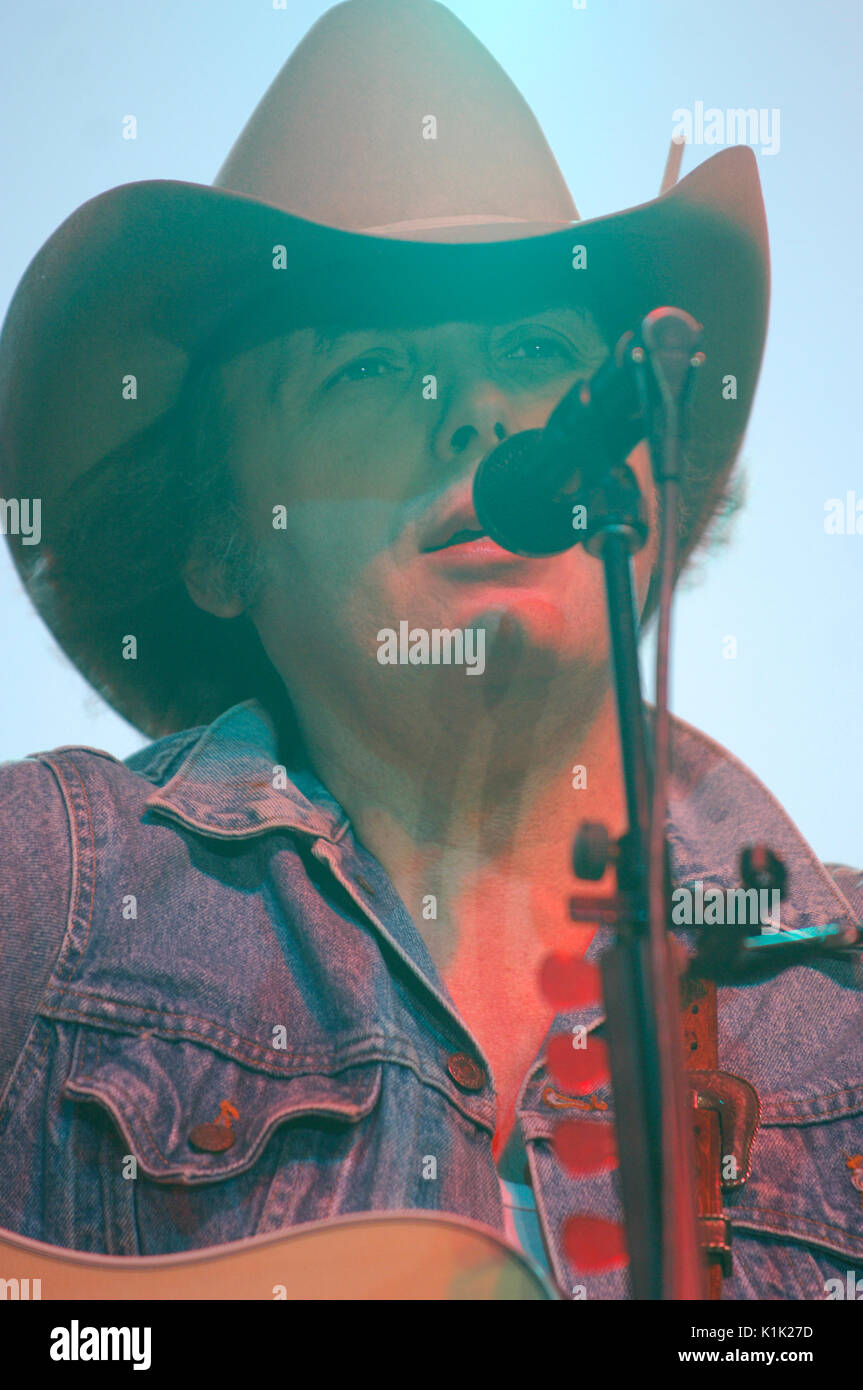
<point x="850" y="883"/>
<point x="35" y="881"/>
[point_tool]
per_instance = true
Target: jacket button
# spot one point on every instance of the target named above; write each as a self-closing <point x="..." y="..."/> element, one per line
<point x="211" y="1138"/>
<point x="466" y="1072"/>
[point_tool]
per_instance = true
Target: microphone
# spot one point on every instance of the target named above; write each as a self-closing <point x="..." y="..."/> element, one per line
<point x="525" y="489"/>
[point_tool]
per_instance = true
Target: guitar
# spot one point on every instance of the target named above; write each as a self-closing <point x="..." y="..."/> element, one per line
<point x="418" y="1256"/>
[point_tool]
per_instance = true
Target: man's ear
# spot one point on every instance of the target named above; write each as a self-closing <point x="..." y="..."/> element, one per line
<point x="205" y="587"/>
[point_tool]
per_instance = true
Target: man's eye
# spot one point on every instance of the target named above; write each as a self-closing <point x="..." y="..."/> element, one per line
<point x="549" y="347"/>
<point x="364" y="369"/>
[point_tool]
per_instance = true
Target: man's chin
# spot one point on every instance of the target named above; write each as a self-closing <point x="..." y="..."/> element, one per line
<point x="533" y="633"/>
<point x="517" y="641"/>
<point x="526" y="619"/>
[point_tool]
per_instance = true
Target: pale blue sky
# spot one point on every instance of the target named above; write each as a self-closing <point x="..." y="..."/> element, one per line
<point x="604" y="82"/>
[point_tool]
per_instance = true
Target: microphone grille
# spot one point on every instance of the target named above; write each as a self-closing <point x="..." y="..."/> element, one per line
<point x="512" y="504"/>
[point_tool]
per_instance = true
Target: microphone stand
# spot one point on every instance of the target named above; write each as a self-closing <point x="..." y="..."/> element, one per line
<point x="656" y="1152"/>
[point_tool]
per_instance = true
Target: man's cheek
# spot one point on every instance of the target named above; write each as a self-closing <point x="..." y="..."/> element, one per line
<point x="353" y="467"/>
<point x="323" y="537"/>
<point x="331" y="562"/>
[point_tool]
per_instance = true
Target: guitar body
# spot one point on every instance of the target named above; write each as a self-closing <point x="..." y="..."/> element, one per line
<point x="421" y="1256"/>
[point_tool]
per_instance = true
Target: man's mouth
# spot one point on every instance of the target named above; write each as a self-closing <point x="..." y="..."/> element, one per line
<point x="463" y="545"/>
<point x="470" y="551"/>
<point x="462" y="537"/>
<point x="459" y="525"/>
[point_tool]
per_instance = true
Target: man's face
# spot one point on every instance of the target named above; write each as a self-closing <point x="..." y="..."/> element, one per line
<point x="371" y="441"/>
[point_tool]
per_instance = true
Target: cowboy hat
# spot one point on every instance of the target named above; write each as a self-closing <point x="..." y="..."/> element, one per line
<point x="391" y="170"/>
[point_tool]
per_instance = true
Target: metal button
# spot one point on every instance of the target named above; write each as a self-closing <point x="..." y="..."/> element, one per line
<point x="466" y="1072"/>
<point x="211" y="1138"/>
<point x="215" y="1137"/>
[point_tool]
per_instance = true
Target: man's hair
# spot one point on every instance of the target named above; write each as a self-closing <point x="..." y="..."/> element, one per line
<point x="218" y="533"/>
<point x="143" y="508"/>
<point x="113" y="565"/>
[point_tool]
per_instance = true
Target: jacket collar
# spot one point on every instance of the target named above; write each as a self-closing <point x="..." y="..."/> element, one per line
<point x="230" y="785"/>
<point x="716" y="806"/>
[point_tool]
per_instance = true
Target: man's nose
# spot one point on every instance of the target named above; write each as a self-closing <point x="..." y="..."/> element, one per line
<point x="472" y="423"/>
<point x="464" y="436"/>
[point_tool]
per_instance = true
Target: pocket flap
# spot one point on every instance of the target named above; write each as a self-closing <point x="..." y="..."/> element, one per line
<point x="159" y="1090"/>
<point x="806" y="1182"/>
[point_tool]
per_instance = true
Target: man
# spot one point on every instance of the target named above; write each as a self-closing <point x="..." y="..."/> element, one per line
<point x="285" y="959"/>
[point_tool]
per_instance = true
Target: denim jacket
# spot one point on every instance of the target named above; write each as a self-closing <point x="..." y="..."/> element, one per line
<point x="177" y="931"/>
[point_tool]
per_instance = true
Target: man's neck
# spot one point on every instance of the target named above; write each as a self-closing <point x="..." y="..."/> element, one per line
<point x="478" y="825"/>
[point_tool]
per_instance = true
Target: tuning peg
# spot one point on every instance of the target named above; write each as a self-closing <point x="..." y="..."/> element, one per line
<point x="592" y="851"/>
<point x="760" y="868"/>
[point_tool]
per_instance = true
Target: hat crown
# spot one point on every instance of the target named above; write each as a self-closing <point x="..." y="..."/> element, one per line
<point x="391" y="112"/>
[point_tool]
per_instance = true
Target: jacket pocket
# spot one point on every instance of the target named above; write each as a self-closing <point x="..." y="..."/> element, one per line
<point x="158" y="1092"/>
<point x="806" y="1183"/>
